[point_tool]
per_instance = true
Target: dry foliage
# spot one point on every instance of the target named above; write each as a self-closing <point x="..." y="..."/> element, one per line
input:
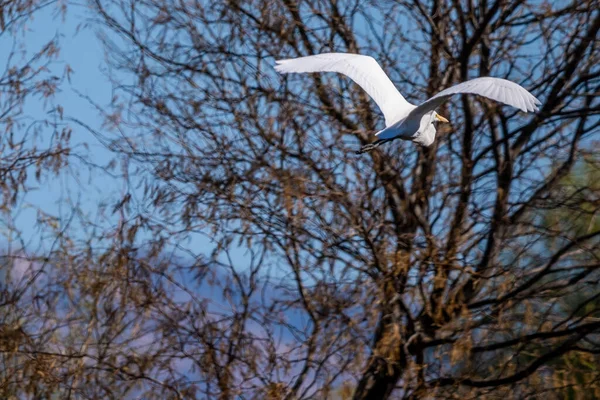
<point x="465" y="270"/>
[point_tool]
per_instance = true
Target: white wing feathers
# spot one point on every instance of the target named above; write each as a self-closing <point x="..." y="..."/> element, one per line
<point x="363" y="70"/>
<point x="497" y="89"/>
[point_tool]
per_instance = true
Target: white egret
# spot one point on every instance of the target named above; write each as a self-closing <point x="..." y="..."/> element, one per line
<point x="402" y="119"/>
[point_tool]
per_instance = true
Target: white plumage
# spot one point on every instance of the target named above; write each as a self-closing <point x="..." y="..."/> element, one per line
<point x="402" y="119"/>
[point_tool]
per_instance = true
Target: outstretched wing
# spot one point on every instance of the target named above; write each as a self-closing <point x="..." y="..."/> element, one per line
<point x="363" y="70"/>
<point x="497" y="89"/>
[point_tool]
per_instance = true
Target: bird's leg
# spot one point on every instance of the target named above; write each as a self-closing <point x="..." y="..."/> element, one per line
<point x="372" y="146"/>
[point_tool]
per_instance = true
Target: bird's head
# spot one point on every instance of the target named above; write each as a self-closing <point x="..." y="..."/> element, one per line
<point x="438" y="118"/>
<point x="427" y="131"/>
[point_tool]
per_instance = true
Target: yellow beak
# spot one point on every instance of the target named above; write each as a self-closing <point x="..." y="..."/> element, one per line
<point x="440" y="118"/>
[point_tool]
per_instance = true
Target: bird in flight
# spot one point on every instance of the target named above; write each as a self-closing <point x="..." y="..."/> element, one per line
<point x="402" y="119"/>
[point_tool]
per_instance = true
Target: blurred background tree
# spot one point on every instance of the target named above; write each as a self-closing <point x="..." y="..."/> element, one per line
<point x="576" y="370"/>
<point x="33" y="146"/>
<point x="252" y="254"/>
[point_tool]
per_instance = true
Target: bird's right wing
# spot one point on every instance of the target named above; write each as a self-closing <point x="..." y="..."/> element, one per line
<point x="363" y="70"/>
<point x="497" y="89"/>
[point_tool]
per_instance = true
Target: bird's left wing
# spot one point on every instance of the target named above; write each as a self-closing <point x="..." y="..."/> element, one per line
<point x="497" y="89"/>
<point x="363" y="70"/>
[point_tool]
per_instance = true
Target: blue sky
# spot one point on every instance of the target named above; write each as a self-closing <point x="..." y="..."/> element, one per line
<point x="83" y="52"/>
<point x="80" y="49"/>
